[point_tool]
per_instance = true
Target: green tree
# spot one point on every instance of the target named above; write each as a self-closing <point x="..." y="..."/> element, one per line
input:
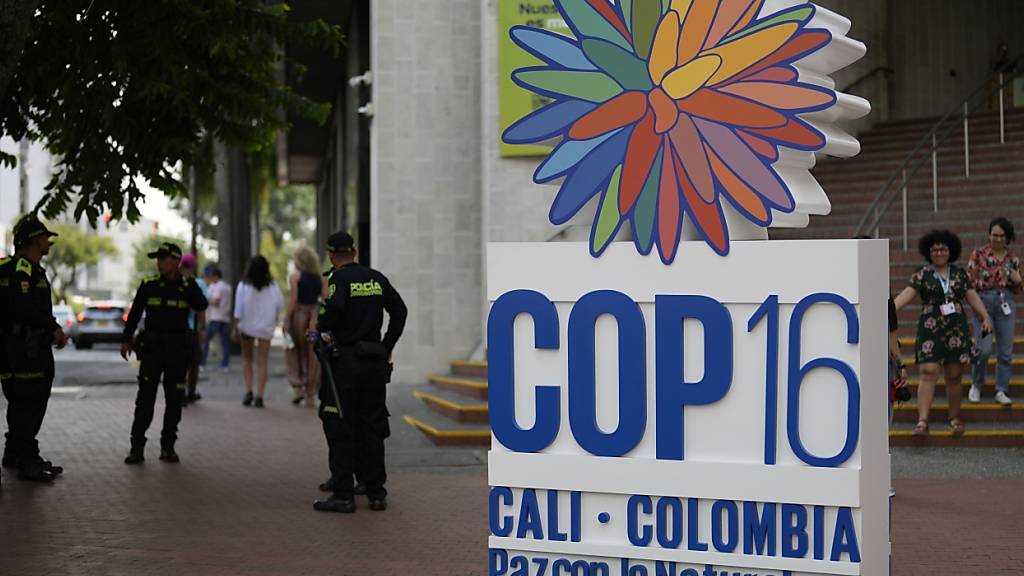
<point x="73" y="251"/>
<point x="124" y="91"/>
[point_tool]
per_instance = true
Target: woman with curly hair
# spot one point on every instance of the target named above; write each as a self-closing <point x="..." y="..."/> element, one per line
<point x="943" y="336"/>
<point x="306" y="287"/>
<point x="995" y="273"/>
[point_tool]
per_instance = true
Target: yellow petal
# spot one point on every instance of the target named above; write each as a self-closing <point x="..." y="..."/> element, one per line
<point x="663" y="52"/>
<point x="740" y="54"/>
<point x="690" y="77"/>
<point x="681" y="7"/>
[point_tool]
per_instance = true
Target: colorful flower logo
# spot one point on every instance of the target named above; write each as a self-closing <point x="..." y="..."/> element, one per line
<point x="669" y="107"/>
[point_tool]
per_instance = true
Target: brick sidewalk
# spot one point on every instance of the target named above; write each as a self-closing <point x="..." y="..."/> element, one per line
<point x="239" y="503"/>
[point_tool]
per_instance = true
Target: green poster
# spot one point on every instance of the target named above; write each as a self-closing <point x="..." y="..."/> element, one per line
<point x="515" y="102"/>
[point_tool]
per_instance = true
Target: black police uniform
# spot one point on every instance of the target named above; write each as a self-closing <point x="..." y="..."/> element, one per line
<point x="163" y="350"/>
<point x="354" y="314"/>
<point x="27" y="369"/>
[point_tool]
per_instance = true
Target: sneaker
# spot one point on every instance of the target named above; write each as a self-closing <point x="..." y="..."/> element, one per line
<point x="1002" y="399"/>
<point x="258" y="403"/>
<point x="247" y="400"/>
<point x="974" y="395"/>
<point x="332" y="504"/>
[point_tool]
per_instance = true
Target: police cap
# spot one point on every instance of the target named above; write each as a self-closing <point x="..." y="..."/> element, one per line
<point x="341" y="242"/>
<point x="29" y="227"/>
<point x="166" y="249"/>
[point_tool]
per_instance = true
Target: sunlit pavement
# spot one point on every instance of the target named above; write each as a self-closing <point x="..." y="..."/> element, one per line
<point x="240" y="500"/>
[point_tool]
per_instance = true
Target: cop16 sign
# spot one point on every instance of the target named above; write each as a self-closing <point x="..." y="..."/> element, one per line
<point x="722" y="416"/>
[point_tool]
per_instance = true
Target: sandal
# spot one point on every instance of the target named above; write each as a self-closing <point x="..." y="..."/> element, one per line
<point x="956" y="427"/>
<point x="921" y="429"/>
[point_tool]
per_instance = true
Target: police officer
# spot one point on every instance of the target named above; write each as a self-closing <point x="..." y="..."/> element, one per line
<point x="356" y="422"/>
<point x="163" y="348"/>
<point x="28" y="332"/>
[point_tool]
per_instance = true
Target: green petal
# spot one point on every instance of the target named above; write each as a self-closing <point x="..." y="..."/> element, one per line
<point x="608" y="219"/>
<point x="590" y="23"/>
<point x="582" y="85"/>
<point x="628" y="70"/>
<point x="799" y="14"/>
<point x="643" y="214"/>
<point x="646" y="15"/>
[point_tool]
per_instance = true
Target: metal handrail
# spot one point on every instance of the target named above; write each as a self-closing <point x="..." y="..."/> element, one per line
<point x="864" y="78"/>
<point x="888" y="194"/>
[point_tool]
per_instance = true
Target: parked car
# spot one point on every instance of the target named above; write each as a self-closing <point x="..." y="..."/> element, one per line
<point x="65" y="316"/>
<point x="102" y="322"/>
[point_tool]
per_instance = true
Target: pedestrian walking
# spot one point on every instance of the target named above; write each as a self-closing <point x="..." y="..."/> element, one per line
<point x="197" y="331"/>
<point x="162" y="348"/>
<point x="353" y="406"/>
<point x="218" y="315"/>
<point x="306" y="287"/>
<point x="943" y="337"/>
<point x="995" y="272"/>
<point x="29" y="331"/>
<point x="258" y="304"/>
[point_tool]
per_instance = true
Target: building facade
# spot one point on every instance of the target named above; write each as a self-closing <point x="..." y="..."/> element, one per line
<point x="413" y="166"/>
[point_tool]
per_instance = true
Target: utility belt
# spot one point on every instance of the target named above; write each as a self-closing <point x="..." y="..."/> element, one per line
<point x="365" y="350"/>
<point x="26" y="350"/>
<point x="149" y="341"/>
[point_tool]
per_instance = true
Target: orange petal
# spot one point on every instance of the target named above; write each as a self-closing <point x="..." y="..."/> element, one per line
<point x="802" y="44"/>
<point x="668" y="208"/>
<point x="727" y="109"/>
<point x="640" y="154"/>
<point x="794" y="132"/>
<point x="739" y="55"/>
<point x="690" y="148"/>
<point x="708" y="217"/>
<point x="729" y="12"/>
<point x="779" y="96"/>
<point x="666" y="44"/>
<point x="748" y="16"/>
<point x="737" y="190"/>
<point x="760" y="147"/>
<point x="665" y="111"/>
<point x="622" y="110"/>
<point x="695" y="29"/>
<point x="779" y="74"/>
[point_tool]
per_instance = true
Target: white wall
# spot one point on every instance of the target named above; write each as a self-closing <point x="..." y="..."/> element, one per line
<point x="425" y="179"/>
<point x="39" y="170"/>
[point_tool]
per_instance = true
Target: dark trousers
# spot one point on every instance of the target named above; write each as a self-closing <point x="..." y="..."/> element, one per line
<point x="215" y="328"/>
<point x="26" y="407"/>
<point x="355" y="437"/>
<point x="164" y="361"/>
<point x="195" y="352"/>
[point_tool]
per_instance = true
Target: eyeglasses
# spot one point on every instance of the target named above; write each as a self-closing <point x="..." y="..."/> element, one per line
<point x="939" y="249"/>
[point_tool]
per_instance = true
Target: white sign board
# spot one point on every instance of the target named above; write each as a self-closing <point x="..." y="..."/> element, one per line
<point x="722" y="416"/>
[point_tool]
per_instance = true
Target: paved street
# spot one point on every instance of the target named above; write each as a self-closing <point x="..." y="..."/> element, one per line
<point x="239" y="503"/>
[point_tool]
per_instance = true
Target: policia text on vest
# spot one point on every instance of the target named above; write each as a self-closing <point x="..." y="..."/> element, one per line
<point x="163" y="348"/>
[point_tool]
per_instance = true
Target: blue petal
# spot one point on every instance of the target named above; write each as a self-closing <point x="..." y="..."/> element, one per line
<point x="550" y="47"/>
<point x="589" y="177"/>
<point x="547" y="122"/>
<point x="568" y="154"/>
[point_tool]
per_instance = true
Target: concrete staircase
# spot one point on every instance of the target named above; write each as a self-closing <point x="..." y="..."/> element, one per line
<point x="965" y="206"/>
<point x="458" y="401"/>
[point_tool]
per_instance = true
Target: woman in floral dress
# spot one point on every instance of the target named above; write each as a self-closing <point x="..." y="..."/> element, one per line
<point x="943" y="335"/>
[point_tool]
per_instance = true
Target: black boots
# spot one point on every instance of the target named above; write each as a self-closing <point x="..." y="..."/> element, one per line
<point x="169" y="455"/>
<point x="137" y="454"/>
